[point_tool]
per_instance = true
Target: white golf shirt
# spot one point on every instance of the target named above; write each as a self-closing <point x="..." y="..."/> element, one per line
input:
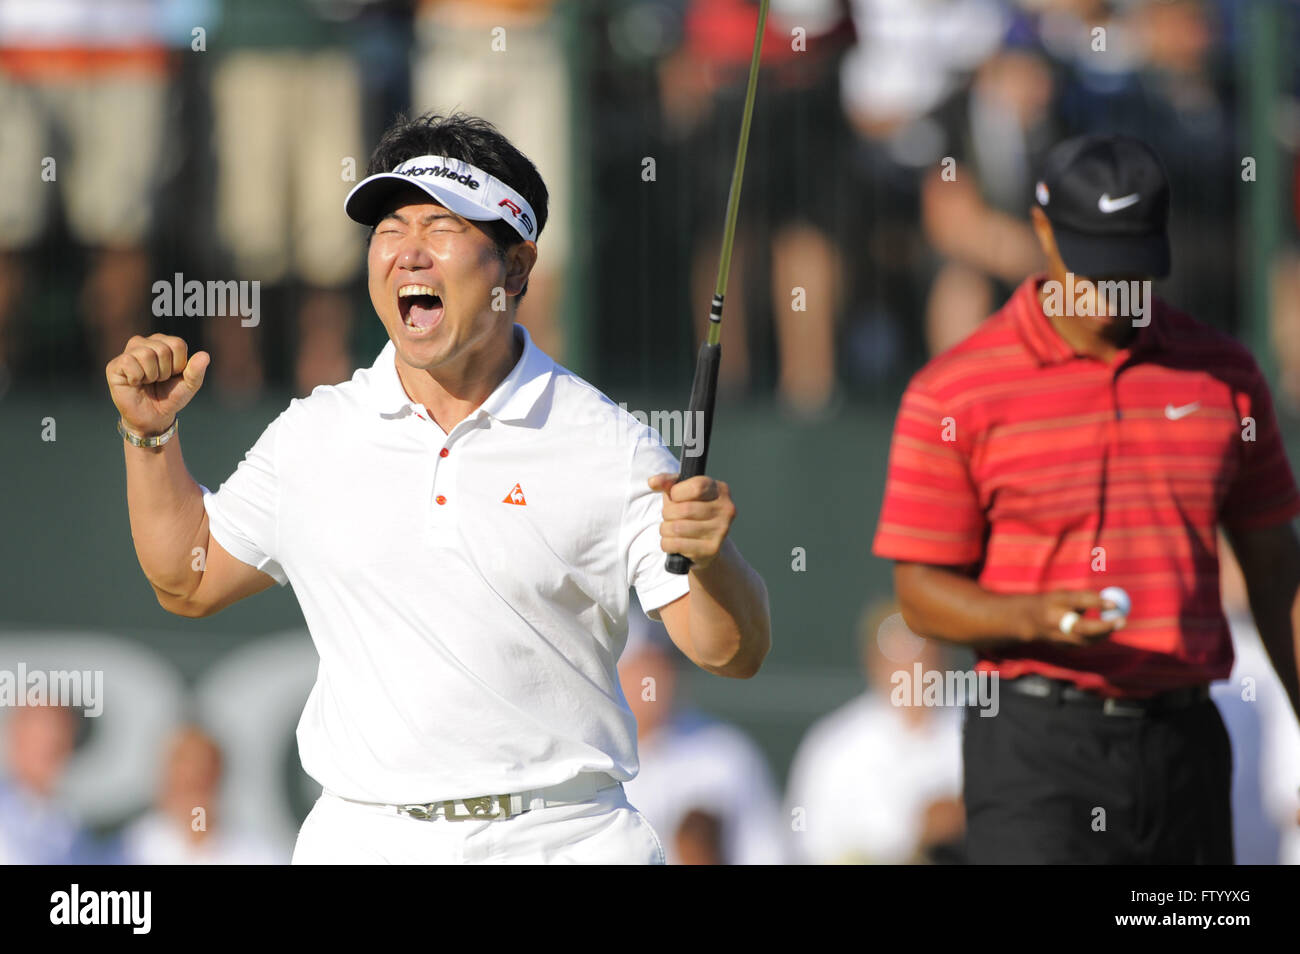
<point x="467" y="592"/>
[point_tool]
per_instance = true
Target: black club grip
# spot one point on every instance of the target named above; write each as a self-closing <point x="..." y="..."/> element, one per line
<point x="703" y="392"/>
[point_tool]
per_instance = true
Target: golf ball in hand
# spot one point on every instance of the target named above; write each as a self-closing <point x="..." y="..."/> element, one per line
<point x="1122" y="603"/>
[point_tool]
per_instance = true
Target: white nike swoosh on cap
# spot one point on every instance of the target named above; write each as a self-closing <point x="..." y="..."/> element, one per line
<point x="1108" y="205"/>
<point x="1174" y="413"/>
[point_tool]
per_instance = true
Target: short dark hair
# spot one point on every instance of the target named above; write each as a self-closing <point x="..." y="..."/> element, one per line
<point x="476" y="141"/>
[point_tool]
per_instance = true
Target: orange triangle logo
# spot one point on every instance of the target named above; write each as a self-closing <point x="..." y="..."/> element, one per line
<point x="516" y="496"/>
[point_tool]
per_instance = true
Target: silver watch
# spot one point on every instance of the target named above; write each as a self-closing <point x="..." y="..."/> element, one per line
<point x="158" y="440"/>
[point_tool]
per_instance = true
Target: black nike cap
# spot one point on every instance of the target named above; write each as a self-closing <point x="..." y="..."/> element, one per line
<point x="1107" y="198"/>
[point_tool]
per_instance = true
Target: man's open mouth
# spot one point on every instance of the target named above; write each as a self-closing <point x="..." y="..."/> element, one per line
<point x="420" y="306"/>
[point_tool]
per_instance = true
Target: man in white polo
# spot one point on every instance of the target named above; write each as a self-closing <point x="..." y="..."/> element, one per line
<point x="461" y="524"/>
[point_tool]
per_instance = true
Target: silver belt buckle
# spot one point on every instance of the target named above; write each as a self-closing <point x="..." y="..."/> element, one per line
<point x="1034" y="685"/>
<point x="1117" y="707"/>
<point x="422" y="812"/>
<point x="478" y="809"/>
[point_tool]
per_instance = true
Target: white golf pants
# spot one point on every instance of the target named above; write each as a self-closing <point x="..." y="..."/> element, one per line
<point x="605" y="830"/>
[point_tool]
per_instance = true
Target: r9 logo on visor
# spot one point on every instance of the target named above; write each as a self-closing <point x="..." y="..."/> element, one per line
<point x="518" y="213"/>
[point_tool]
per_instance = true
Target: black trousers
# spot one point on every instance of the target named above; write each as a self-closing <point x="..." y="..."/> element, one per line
<point x="1052" y="783"/>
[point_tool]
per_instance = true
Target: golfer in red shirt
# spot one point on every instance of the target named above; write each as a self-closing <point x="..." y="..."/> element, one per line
<point x="1090" y="436"/>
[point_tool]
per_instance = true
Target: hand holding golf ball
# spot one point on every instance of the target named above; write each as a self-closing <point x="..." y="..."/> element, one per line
<point x="1072" y="617"/>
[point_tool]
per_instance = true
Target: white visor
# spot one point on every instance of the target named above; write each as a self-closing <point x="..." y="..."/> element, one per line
<point x="454" y="183"/>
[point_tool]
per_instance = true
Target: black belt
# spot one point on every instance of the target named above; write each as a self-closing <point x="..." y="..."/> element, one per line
<point x="1065" y="693"/>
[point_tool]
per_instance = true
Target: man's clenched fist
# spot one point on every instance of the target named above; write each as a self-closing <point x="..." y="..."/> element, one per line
<point x="697" y="516"/>
<point x="152" y="380"/>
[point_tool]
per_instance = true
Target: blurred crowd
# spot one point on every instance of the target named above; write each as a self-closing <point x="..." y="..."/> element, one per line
<point x="891" y="167"/>
<point x="871" y="782"/>
<point x="182" y="826"/>
<point x="875" y="780"/>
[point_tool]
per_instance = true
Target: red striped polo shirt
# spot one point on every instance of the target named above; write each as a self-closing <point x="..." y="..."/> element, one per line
<point x="1044" y="469"/>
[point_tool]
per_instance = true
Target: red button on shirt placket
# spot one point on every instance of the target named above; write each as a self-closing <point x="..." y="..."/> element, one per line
<point x="440" y="500"/>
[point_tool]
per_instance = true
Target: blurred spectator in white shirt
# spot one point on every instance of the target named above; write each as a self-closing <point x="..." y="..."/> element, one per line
<point x="182" y="828"/>
<point x="910" y="55"/>
<point x="35" y="829"/>
<point x="875" y="783"/>
<point x="1265" y="737"/>
<point x="703" y="785"/>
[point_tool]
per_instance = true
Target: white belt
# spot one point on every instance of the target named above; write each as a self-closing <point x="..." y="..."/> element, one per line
<point x="582" y="788"/>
